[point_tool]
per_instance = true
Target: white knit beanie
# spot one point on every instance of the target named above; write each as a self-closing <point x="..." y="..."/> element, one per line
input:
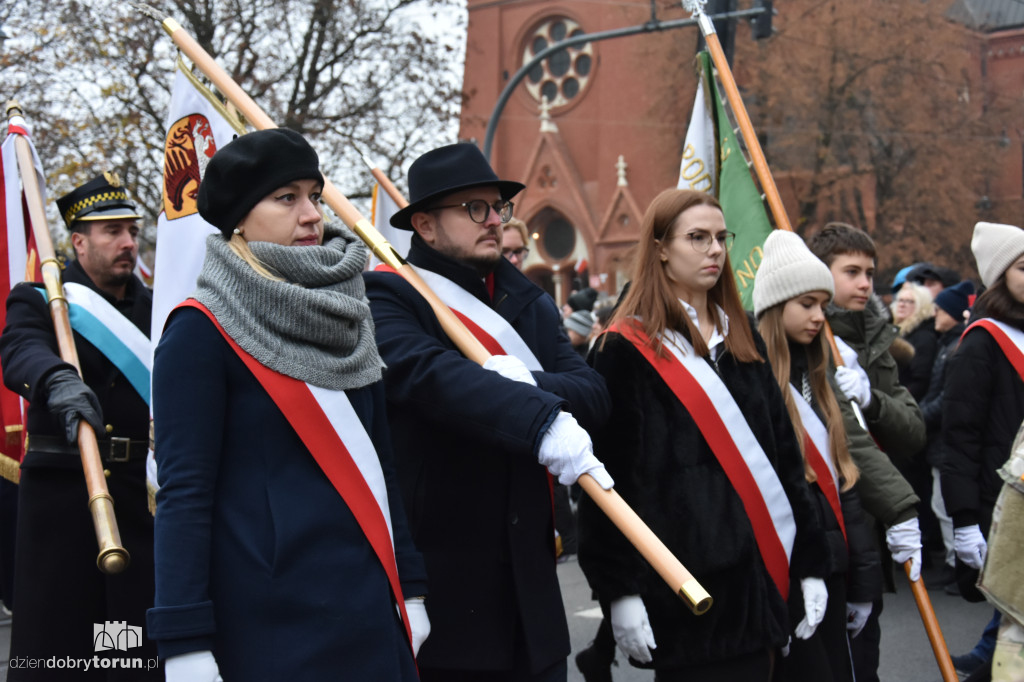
<point x="788" y="270"/>
<point x="995" y="247"/>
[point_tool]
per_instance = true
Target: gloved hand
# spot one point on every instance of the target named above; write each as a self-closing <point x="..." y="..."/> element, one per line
<point x="970" y="546"/>
<point x="904" y="541"/>
<point x="854" y="383"/>
<point x="68" y="396"/>
<point x="567" y="453"/>
<point x="510" y="367"/>
<point x="418" y="623"/>
<point x="815" y="601"/>
<point x="785" y="649"/>
<point x="195" y="666"/>
<point x="857" y="617"/>
<point x="632" y="629"/>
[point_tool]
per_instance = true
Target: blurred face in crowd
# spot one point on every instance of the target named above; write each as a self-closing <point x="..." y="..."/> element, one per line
<point x="448" y="228"/>
<point x="513" y="248"/>
<point x="804" y="316"/>
<point x="853" y="274"/>
<point x="905" y="304"/>
<point x="106" y="250"/>
<point x="693" y="254"/>
<point x="933" y="285"/>
<point x="290" y="216"/>
<point x="944" y="321"/>
<point x="1015" y="280"/>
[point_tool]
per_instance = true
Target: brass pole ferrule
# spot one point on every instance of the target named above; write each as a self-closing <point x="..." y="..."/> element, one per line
<point x="695" y="596"/>
<point x="112" y="558"/>
<point x="380" y="246"/>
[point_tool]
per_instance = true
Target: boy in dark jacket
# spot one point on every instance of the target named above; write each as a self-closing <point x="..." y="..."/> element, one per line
<point x="869" y="378"/>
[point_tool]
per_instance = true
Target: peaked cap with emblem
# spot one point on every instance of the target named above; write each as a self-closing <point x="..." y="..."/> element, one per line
<point x="102" y="198"/>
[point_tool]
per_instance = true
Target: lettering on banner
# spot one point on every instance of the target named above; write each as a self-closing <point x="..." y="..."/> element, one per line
<point x="748" y="268"/>
<point x="694" y="172"/>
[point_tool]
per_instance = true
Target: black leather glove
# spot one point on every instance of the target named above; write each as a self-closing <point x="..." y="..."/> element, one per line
<point x="70" y="397"/>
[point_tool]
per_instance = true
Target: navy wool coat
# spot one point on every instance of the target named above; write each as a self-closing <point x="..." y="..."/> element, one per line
<point x="466" y="441"/>
<point x="257" y="556"/>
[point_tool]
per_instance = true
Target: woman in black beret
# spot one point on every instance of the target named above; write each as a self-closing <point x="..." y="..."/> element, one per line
<point x="282" y="550"/>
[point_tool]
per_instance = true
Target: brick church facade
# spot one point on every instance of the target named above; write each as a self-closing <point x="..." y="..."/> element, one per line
<point x="596" y="131"/>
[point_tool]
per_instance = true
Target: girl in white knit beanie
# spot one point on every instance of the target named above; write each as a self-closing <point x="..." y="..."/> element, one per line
<point x="982" y="408"/>
<point x="791" y="289"/>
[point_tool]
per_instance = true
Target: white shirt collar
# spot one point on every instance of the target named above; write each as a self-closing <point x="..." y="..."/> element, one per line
<point x="717" y="337"/>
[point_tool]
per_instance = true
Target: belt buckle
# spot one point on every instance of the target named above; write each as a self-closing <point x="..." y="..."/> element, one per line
<point x="120" y="445"/>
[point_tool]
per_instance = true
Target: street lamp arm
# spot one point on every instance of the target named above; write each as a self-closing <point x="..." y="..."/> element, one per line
<point x="651" y="26"/>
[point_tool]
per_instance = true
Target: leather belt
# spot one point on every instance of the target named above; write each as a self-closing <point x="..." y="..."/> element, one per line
<point x="113" y="449"/>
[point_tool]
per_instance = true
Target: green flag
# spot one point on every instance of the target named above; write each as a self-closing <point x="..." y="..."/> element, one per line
<point x="742" y="205"/>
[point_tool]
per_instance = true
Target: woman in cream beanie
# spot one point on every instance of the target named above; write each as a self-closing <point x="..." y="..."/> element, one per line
<point x="791" y="289"/>
<point x="983" y="402"/>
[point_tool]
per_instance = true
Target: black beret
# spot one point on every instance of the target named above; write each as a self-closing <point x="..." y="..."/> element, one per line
<point x="249" y="168"/>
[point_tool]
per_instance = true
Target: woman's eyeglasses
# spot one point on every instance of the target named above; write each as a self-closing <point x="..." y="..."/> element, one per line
<point x="701" y="241"/>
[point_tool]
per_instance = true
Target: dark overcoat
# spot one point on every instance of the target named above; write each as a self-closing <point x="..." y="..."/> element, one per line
<point x="466" y="441"/>
<point x="55" y="556"/>
<point x="258" y="558"/>
<point x="982" y="409"/>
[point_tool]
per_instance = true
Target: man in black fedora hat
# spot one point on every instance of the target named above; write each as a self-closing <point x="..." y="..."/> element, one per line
<point x="473" y="442"/>
<point x="66" y="609"/>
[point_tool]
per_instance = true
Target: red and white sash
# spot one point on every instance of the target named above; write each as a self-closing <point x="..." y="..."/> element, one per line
<point x="330" y="428"/>
<point x="490" y="328"/>
<point x="1010" y="340"/>
<point x="708" y="400"/>
<point x="819" y="455"/>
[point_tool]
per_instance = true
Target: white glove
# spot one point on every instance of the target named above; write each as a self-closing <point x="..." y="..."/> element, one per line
<point x="970" y="545"/>
<point x="419" y="624"/>
<point x="195" y="666"/>
<point x="631" y="628"/>
<point x="567" y="453"/>
<point x="815" y="601"/>
<point x="854" y="383"/>
<point x="904" y="541"/>
<point x="510" y="367"/>
<point x="857" y="617"/>
<point x="785" y="649"/>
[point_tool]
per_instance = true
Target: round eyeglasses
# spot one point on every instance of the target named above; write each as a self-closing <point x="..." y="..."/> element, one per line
<point x="701" y="241"/>
<point x="478" y="209"/>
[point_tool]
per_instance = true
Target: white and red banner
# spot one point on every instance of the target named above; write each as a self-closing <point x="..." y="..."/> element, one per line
<point x="19" y="262"/>
<point x="197" y="126"/>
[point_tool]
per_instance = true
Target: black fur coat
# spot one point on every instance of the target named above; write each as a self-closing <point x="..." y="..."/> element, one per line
<point x="666" y="471"/>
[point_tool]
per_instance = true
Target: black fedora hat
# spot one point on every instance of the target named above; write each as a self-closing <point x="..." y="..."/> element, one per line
<point x="447" y="170"/>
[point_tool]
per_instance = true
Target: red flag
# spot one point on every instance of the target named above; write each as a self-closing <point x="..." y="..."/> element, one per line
<point x="19" y="261"/>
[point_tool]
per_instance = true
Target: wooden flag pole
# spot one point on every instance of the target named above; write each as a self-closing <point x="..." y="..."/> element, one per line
<point x="385" y="182"/>
<point x="112" y="558"/>
<point x="653" y="550"/>
<point x="764" y="176"/>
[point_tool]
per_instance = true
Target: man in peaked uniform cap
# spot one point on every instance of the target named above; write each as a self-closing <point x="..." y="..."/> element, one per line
<point x="64" y="603"/>
<point x="473" y="442"/>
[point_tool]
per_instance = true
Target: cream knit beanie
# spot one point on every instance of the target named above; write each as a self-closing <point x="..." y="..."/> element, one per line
<point x="788" y="270"/>
<point x="995" y="247"/>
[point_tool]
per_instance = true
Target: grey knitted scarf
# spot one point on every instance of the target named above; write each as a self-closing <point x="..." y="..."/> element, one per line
<point x="315" y="326"/>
